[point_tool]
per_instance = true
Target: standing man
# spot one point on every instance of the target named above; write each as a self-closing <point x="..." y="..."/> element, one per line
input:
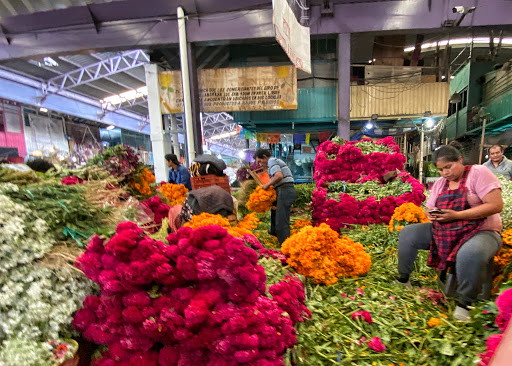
<point x="178" y="174"/>
<point x="282" y="180"/>
<point x="498" y="163"/>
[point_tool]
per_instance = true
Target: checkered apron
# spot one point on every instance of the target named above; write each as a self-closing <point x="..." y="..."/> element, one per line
<point x="448" y="237"/>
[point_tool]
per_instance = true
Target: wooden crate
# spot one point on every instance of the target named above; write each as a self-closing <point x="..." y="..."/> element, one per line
<point x="203" y="181"/>
<point x="260" y="176"/>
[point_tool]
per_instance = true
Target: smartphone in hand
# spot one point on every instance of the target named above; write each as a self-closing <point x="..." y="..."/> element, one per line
<point x="435" y="211"/>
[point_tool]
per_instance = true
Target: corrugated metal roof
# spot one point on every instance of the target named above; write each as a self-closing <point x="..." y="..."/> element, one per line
<point x="403" y="99"/>
<point x="20" y="7"/>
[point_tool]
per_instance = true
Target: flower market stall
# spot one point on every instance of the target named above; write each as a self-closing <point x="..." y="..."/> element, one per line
<point x="91" y="275"/>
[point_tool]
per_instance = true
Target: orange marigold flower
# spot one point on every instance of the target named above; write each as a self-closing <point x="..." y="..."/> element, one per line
<point x="434" y="322"/>
<point x="261" y="200"/>
<point x="299" y="224"/>
<point x="142" y="181"/>
<point x="205" y="219"/>
<point x="175" y="193"/>
<point x="319" y="253"/>
<point x="507" y="237"/>
<point x="406" y="213"/>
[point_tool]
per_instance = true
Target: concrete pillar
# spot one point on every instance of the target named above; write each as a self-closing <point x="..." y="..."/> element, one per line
<point x="156" y="122"/>
<point x="174" y="134"/>
<point x="344" y="85"/>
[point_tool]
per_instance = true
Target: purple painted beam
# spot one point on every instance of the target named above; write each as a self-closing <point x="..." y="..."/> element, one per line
<point x="133" y="24"/>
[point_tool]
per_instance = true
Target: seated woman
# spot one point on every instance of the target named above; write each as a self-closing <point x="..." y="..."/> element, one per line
<point x="464" y="231"/>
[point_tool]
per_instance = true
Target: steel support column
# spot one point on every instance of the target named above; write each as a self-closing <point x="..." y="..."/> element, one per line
<point x="194" y="94"/>
<point x="156" y="122"/>
<point x="344" y="85"/>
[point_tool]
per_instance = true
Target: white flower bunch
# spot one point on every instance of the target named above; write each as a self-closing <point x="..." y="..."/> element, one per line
<point x="16" y="352"/>
<point x="38" y="303"/>
<point x="22" y="238"/>
<point x="506" y="192"/>
<point x="8" y="187"/>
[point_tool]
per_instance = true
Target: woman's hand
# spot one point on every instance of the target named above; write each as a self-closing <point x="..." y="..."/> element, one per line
<point x="446" y="216"/>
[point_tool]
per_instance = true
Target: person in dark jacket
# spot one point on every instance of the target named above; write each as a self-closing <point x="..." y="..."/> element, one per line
<point x="178" y="174"/>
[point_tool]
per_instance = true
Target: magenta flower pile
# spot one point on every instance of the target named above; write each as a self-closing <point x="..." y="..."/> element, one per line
<point x="348" y="164"/>
<point x="504" y="304"/>
<point x="158" y="209"/>
<point x="198" y="301"/>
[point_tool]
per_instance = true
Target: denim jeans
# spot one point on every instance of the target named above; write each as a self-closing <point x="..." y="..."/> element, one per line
<point x="280" y="217"/>
<point x="473" y="264"/>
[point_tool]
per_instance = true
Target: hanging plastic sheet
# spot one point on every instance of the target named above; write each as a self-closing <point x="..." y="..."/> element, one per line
<point x="299" y="138"/>
<point x="274" y="138"/>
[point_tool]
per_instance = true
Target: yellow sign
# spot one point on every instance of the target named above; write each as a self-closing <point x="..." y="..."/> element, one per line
<point x="234" y="89"/>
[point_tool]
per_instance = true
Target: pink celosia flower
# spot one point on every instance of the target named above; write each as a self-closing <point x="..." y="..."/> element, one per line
<point x="376" y="345"/>
<point x="363" y="314"/>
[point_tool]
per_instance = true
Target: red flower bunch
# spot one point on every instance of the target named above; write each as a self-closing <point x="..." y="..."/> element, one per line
<point x="262" y="251"/>
<point x="197" y="301"/>
<point x="70" y="181"/>
<point x="159" y="209"/>
<point x="290" y="296"/>
<point x="363" y="314"/>
<point x="376" y="345"/>
<point x="504" y="304"/>
<point x="349" y="211"/>
<point x="347" y="162"/>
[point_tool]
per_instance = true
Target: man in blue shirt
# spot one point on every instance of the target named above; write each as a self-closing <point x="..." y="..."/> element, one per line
<point x="282" y="180"/>
<point x="178" y="174"/>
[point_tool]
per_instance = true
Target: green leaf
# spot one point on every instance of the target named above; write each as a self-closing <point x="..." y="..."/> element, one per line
<point x="283" y="84"/>
<point x="446" y="349"/>
<point x="170" y="90"/>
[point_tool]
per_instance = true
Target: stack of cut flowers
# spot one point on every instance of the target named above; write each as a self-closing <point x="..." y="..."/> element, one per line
<point x="349" y="189"/>
<point x="201" y="300"/>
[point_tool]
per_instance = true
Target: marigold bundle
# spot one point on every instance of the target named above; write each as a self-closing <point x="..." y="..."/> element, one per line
<point x="198" y="301"/>
<point x="319" y="253"/>
<point x="406" y="213"/>
<point x="244" y="227"/>
<point x="299" y="224"/>
<point x="175" y="193"/>
<point x="142" y="181"/>
<point x="261" y="200"/>
<point x="504" y="255"/>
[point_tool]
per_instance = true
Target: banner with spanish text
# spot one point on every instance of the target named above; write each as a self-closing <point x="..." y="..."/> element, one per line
<point x="263" y="88"/>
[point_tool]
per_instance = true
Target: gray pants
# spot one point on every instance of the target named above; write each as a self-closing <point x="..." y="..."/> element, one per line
<point x="473" y="265"/>
<point x="280" y="217"/>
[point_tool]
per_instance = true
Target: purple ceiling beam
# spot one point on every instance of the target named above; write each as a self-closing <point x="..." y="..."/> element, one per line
<point x="135" y="24"/>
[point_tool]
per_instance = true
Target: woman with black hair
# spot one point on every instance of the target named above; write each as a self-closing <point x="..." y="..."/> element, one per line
<point x="178" y="174"/>
<point x="464" y="232"/>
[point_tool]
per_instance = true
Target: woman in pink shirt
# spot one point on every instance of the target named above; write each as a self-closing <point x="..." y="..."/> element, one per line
<point x="464" y="232"/>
